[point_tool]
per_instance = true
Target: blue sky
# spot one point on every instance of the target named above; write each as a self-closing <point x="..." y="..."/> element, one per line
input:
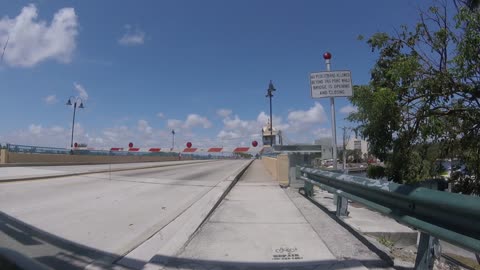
<point x="200" y="67"/>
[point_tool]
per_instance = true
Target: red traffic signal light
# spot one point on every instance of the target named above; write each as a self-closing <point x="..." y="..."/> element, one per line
<point x="189" y="145"/>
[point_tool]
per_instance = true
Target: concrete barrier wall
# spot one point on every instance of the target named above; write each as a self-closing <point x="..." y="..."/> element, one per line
<point x="278" y="168"/>
<point x="271" y="165"/>
<point x="282" y="169"/>
<point x="78" y="159"/>
<point x="3" y="156"/>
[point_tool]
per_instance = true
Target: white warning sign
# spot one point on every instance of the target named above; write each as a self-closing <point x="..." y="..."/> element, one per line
<point x="331" y="84"/>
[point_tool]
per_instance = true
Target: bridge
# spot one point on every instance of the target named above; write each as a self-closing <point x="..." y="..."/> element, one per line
<point x="265" y="213"/>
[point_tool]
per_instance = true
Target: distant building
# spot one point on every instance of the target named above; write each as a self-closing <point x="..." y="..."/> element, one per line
<point x="269" y="137"/>
<point x="358" y="144"/>
<point x="327" y="149"/>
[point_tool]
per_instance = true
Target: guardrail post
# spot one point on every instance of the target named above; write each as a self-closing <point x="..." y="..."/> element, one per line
<point x="425" y="252"/>
<point x="342" y="206"/>
<point x="307" y="186"/>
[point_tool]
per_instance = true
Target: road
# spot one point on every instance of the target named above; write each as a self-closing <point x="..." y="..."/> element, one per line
<point x="68" y="222"/>
<point x="27" y="172"/>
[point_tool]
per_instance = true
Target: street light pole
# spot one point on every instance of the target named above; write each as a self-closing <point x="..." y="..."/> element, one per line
<point x="173" y="139"/>
<point x="271" y="121"/>
<point x="270" y="95"/>
<point x="73" y="123"/>
<point x="80" y="106"/>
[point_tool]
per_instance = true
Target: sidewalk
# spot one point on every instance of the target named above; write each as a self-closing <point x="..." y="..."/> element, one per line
<point x="257" y="226"/>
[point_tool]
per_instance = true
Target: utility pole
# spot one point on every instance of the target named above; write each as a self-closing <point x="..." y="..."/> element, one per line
<point x="344" y="148"/>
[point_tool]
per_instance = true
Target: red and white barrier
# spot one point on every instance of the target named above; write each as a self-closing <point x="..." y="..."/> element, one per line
<point x="169" y="150"/>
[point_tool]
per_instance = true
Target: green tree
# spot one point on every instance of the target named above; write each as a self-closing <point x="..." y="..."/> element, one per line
<point x="423" y="101"/>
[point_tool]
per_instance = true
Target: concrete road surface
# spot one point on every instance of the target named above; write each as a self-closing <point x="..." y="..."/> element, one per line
<point x="22" y="172"/>
<point x="257" y="226"/>
<point x="66" y="223"/>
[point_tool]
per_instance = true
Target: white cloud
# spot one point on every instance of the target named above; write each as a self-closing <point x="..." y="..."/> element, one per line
<point x="305" y="119"/>
<point x="348" y="109"/>
<point x="81" y="91"/>
<point x="322" y="133"/>
<point x="114" y="135"/>
<point x="278" y="124"/>
<point x="228" y="135"/>
<point x="300" y="126"/>
<point x="160" y="115"/>
<point x="31" y="41"/>
<point x="236" y="123"/>
<point x="52" y="99"/>
<point x="144" y="127"/>
<point x="35" y="129"/>
<point x="235" y="130"/>
<point x="192" y="120"/>
<point x="174" y="123"/>
<point x="98" y="140"/>
<point x="132" y="37"/>
<point x="141" y="134"/>
<point x="197" y="120"/>
<point x="224" y="112"/>
<point x="39" y="135"/>
<point x="57" y="129"/>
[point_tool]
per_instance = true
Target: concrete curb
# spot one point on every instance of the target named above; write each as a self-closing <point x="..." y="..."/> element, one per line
<point x="42" y="177"/>
<point x="171" y="239"/>
<point x="237" y="175"/>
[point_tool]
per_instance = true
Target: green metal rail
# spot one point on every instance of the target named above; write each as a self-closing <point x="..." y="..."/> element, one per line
<point x="452" y="217"/>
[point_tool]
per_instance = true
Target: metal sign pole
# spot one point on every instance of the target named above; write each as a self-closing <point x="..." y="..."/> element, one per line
<point x="331" y="84"/>
<point x="334" y="124"/>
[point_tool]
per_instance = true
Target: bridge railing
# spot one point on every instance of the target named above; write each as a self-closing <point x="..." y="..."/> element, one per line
<point x="18" y="148"/>
<point x="452" y="217"/>
<point x="29" y="149"/>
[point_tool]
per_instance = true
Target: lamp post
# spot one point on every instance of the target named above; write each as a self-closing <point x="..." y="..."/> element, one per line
<point x="270" y="95"/>
<point x="173" y="139"/>
<point x="74" y="100"/>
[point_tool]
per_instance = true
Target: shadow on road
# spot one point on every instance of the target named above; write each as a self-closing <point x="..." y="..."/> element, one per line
<point x="59" y="253"/>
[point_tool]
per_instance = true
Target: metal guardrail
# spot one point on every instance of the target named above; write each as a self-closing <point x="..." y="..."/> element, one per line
<point x="452" y="217"/>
